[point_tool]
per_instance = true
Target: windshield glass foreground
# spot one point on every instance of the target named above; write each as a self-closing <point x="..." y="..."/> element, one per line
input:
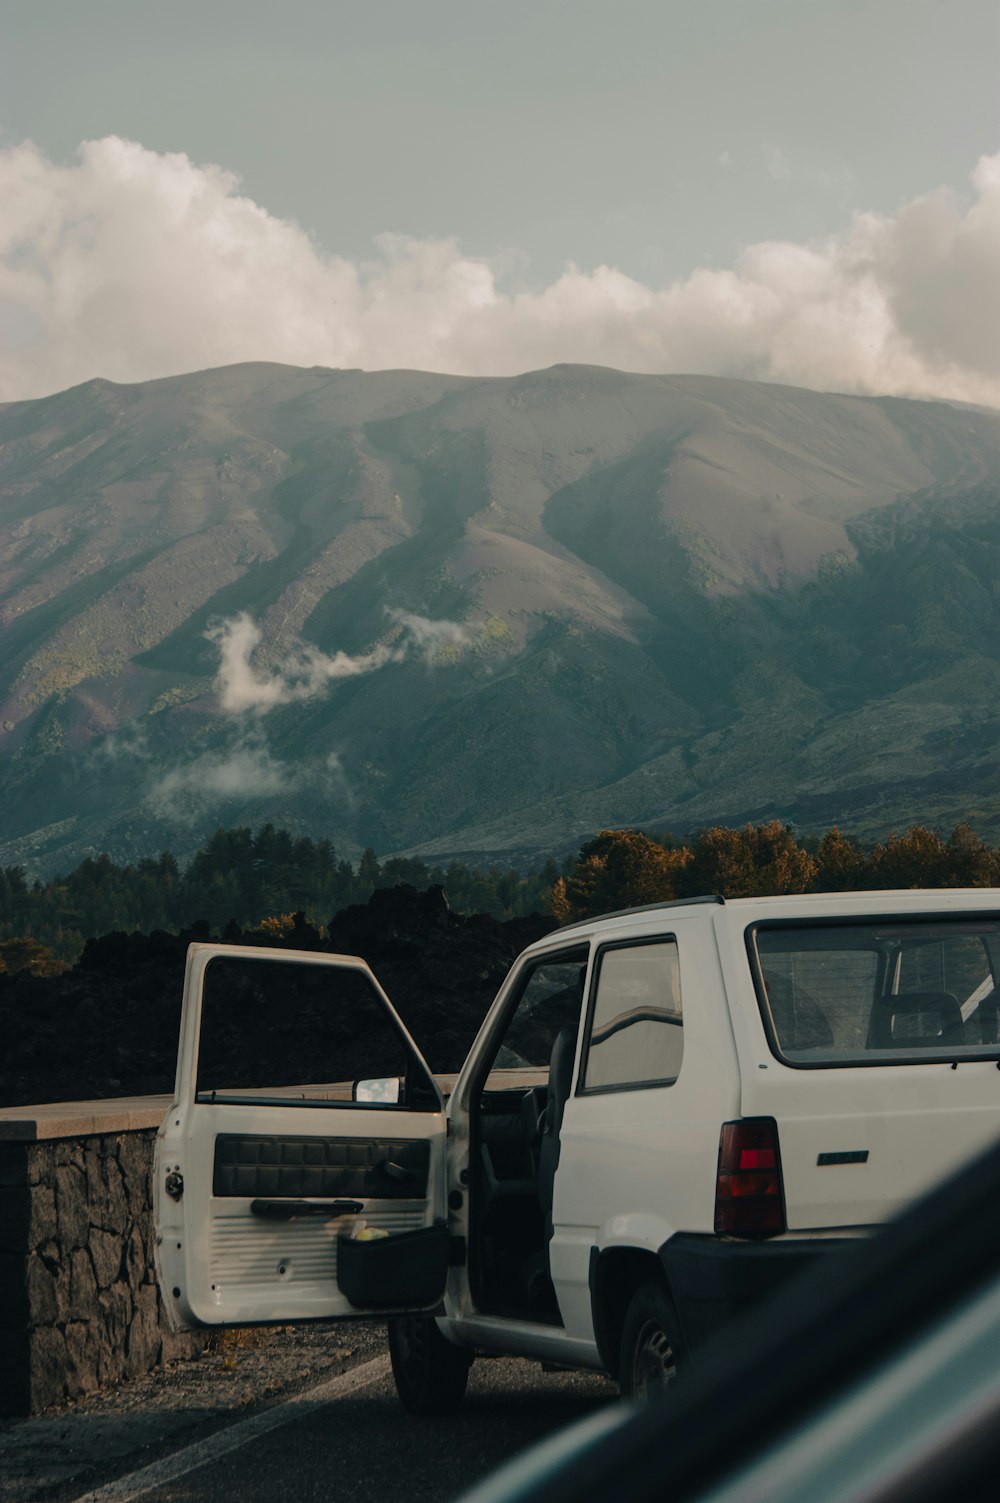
<point x="885" y="991"/>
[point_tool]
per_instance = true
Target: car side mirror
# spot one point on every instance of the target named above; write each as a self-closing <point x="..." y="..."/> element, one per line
<point x="381" y="1091"/>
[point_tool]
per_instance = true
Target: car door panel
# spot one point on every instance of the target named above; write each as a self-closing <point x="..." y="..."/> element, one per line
<point x="261" y="1193"/>
<point x="294" y="1165"/>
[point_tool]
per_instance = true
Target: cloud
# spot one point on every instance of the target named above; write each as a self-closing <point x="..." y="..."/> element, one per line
<point x="777" y="164"/>
<point x="305" y="672"/>
<point x="302" y="674"/>
<point x="244" y="770"/>
<point x="431" y="639"/>
<point x="128" y="744"/>
<point x="131" y="264"/>
<point x="336" y="777"/>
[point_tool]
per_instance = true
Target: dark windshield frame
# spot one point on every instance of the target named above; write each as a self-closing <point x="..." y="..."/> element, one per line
<point x="869" y="1058"/>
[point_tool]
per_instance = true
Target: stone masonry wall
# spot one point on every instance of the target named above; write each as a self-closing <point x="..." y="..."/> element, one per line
<point x="79" y="1305"/>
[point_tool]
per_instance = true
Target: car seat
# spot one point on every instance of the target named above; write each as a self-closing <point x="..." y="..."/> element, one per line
<point x="932" y="1018"/>
<point x="557" y="1094"/>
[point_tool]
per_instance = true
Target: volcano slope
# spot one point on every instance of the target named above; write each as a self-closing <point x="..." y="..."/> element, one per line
<point x="486" y="617"/>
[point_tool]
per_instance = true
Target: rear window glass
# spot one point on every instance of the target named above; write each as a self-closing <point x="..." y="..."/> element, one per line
<point x="886" y="990"/>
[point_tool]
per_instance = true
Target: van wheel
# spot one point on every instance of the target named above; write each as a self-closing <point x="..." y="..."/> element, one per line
<point x="430" y="1373"/>
<point x="649" y="1351"/>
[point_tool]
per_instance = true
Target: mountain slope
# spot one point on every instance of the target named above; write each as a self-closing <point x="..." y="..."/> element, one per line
<point x="665" y="600"/>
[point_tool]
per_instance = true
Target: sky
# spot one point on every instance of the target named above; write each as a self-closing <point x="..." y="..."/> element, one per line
<point x="798" y="190"/>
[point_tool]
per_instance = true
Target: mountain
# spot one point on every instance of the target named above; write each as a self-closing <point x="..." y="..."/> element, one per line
<point x="494" y="615"/>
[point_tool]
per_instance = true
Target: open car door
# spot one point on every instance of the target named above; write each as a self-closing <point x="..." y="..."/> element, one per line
<point x="280" y="1197"/>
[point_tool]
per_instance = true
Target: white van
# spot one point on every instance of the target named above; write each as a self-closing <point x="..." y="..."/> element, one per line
<point x="665" y="1113"/>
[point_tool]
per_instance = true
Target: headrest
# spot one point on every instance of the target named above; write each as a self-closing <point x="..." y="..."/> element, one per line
<point x="939" y="1012"/>
<point x="561" y="1069"/>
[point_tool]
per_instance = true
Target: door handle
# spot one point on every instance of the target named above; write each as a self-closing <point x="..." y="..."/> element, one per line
<point x="288" y="1210"/>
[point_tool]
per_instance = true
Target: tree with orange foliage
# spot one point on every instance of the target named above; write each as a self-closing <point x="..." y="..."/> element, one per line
<point x="276" y="925"/>
<point x="757" y="861"/>
<point x="969" y="862"/>
<point x="26" y="954"/>
<point x="915" y="859"/>
<point x="841" y="865"/>
<point x="617" y="869"/>
<point x="920" y="858"/>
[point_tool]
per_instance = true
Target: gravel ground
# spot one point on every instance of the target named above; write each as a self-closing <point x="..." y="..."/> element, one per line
<point x="66" y="1450"/>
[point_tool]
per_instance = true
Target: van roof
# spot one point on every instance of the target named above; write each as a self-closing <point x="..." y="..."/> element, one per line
<point x="873" y="900"/>
<point x="600" y="918"/>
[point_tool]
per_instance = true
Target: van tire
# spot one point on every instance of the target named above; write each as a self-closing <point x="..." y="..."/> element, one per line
<point x="430" y="1372"/>
<point x="650" y="1349"/>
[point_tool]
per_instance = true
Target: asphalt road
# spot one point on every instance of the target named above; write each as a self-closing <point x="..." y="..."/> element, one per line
<point x="300" y="1414"/>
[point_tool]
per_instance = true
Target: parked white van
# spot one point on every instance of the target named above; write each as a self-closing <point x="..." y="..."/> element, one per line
<point x="665" y="1113"/>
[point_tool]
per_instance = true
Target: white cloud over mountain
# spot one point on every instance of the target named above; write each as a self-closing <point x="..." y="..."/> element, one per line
<point x="305" y="672"/>
<point x="130" y="264"/>
<point x="245" y="770"/>
<point x="245" y="766"/>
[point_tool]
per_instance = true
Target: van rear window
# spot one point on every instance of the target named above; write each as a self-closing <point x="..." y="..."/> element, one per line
<point x="884" y="991"/>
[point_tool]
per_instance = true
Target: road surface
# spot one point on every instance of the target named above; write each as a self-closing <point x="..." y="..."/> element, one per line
<point x="303" y="1414"/>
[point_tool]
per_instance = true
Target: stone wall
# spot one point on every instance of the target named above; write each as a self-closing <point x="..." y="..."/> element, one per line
<point x="79" y="1305"/>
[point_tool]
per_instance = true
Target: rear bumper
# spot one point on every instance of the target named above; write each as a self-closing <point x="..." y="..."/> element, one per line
<point x="714" y="1280"/>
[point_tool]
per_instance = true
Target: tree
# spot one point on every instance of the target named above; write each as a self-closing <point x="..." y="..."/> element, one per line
<point x="757" y="861"/>
<point x="841" y="865"/>
<point x="275" y="926"/>
<point x="26" y="954"/>
<point x="368" y="872"/>
<point x="969" y="862"/>
<point x="916" y="859"/>
<point x="617" y="869"/>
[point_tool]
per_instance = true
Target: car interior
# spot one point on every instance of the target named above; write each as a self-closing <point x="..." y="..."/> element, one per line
<point x="515" y="1141"/>
<point x="848" y="990"/>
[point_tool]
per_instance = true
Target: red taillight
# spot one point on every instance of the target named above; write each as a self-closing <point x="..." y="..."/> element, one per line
<point x="757" y="1158"/>
<point x="748" y="1195"/>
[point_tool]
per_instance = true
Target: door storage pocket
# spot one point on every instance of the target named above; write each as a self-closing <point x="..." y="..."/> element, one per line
<point x="405" y="1270"/>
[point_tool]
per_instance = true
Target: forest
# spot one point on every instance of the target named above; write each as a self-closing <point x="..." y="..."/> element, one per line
<point x="259" y="880"/>
<point x="241" y="878"/>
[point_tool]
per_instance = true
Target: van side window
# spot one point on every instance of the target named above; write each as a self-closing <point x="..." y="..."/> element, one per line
<point x="551" y="997"/>
<point x="635" y="1032"/>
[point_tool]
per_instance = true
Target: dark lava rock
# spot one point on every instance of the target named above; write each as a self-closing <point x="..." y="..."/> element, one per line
<point x="110" y="1026"/>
